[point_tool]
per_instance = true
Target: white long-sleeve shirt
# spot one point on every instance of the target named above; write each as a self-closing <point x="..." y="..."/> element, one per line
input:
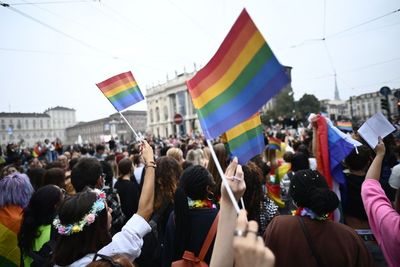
<point x="129" y="242"/>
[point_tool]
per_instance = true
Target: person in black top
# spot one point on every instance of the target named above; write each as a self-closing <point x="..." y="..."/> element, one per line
<point x="127" y="190"/>
<point x="194" y="212"/>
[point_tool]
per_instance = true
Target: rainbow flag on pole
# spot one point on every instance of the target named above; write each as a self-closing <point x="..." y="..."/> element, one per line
<point x="121" y="90"/>
<point x="246" y="139"/>
<point x="240" y="78"/>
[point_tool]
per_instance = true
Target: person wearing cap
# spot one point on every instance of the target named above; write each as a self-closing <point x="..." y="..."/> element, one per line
<point x="383" y="219"/>
<point x="310" y="238"/>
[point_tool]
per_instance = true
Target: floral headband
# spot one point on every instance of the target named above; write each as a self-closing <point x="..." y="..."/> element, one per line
<point x="87" y="219"/>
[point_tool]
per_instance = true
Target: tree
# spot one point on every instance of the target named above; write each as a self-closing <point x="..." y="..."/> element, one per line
<point x="284" y="105"/>
<point x="308" y="104"/>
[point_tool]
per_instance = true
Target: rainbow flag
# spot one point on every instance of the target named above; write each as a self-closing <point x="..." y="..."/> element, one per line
<point x="344" y="126"/>
<point x="121" y="90"/>
<point x="274" y="143"/>
<point x="246" y="139"/>
<point x="239" y="79"/>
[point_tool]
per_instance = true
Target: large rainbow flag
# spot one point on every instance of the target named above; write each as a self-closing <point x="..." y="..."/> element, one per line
<point x="121" y="90"/>
<point x="239" y="79"/>
<point x="246" y="139"/>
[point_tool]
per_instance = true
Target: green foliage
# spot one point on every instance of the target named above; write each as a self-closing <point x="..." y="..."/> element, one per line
<point x="307" y="104"/>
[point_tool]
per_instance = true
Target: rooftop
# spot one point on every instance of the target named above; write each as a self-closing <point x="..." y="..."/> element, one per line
<point x="23" y="115"/>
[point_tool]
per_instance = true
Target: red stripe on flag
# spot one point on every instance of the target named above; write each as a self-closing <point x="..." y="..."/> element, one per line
<point x="230" y="39"/>
<point x="115" y="79"/>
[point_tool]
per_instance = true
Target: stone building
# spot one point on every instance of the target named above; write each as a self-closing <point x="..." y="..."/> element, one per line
<point x="167" y="100"/>
<point x="33" y="127"/>
<point x="102" y="130"/>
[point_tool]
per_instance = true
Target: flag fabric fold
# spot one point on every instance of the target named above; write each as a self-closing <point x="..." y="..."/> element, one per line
<point x="246" y="139"/>
<point x="239" y="79"/>
<point x="121" y="90"/>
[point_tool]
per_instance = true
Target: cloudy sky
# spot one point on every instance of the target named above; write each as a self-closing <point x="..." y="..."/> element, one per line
<point x="52" y="52"/>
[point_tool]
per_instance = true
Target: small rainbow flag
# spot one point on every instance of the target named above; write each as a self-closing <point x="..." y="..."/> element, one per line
<point x="239" y="79"/>
<point x="274" y="143"/>
<point x="246" y="139"/>
<point x="344" y="126"/>
<point x="121" y="90"/>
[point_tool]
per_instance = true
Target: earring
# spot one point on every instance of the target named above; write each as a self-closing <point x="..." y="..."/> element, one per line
<point x="210" y="196"/>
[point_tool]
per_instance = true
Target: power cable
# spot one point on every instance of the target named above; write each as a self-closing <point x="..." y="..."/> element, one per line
<point x="49" y="2"/>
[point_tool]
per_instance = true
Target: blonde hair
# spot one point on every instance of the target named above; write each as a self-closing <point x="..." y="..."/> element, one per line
<point x="195" y="156"/>
<point x="175" y="153"/>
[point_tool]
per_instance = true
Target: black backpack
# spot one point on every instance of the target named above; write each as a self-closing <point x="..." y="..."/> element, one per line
<point x="43" y="257"/>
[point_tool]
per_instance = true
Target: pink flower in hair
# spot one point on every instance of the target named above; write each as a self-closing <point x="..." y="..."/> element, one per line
<point x="90" y="218"/>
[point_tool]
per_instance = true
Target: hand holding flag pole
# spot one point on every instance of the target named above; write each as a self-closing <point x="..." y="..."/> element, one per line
<point x="122" y="91"/>
<point x="223" y="177"/>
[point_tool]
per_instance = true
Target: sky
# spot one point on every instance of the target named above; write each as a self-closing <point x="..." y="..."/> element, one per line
<point x="53" y="52"/>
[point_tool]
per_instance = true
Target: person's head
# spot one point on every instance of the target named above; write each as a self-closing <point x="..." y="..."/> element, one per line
<point x="309" y="190"/>
<point x="175" y="153"/>
<point x="222" y="156"/>
<point x="300" y="162"/>
<point x="87" y="173"/>
<point x="63" y="160"/>
<point x="83" y="222"/>
<point x="196" y="183"/>
<point x="54" y="176"/>
<point x="288" y="156"/>
<point x="36" y="176"/>
<point x="41" y="210"/>
<point x="167" y="175"/>
<point x="125" y="167"/>
<point x="118" y="260"/>
<point x="100" y="149"/>
<point x="253" y="195"/>
<point x="359" y="161"/>
<point x="72" y="163"/>
<point x="15" y="190"/>
<point x="196" y="156"/>
<point x="9" y="169"/>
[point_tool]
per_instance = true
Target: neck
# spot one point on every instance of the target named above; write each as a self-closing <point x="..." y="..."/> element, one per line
<point x="126" y="177"/>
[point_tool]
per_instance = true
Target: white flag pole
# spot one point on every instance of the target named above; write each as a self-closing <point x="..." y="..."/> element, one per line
<point x="130" y="126"/>
<point x="221" y="173"/>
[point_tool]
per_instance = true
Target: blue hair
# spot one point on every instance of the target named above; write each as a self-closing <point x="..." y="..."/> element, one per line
<point x="15" y="189"/>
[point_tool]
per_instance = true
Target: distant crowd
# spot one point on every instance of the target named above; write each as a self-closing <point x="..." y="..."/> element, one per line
<point x="162" y="202"/>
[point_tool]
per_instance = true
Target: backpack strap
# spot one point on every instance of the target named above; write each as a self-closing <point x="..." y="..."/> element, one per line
<point x="209" y="238"/>
<point x="309" y="241"/>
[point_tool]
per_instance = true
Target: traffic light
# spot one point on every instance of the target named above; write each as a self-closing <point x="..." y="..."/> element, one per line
<point x="384" y="104"/>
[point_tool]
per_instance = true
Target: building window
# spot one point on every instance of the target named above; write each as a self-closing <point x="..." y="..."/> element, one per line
<point x="165" y="113"/>
<point x="41" y="124"/>
<point x="3" y="126"/>
<point x="158" y="114"/>
<point x="34" y="124"/>
<point x="26" y="124"/>
<point x="151" y="115"/>
<point x="19" y="126"/>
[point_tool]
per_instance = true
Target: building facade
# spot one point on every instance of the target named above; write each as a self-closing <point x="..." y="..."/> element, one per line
<point x="60" y="119"/>
<point x="29" y="128"/>
<point x="363" y="106"/>
<point x="336" y="109"/>
<point x="165" y="101"/>
<point x="104" y="129"/>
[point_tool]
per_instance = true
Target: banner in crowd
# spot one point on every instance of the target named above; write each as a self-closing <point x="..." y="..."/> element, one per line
<point x="239" y="79"/>
<point x="246" y="139"/>
<point x="121" y="90"/>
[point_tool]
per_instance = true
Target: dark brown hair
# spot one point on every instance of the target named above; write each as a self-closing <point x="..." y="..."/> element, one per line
<point x="125" y="166"/>
<point x="167" y="175"/>
<point x="70" y="248"/>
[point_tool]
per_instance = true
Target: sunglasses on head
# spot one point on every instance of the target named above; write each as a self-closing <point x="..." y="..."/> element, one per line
<point x="107" y="259"/>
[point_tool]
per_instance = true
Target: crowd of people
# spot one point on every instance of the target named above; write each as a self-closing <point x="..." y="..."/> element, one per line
<point x="161" y="202"/>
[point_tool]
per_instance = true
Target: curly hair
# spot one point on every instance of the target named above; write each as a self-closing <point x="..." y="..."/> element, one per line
<point x="167" y="175"/>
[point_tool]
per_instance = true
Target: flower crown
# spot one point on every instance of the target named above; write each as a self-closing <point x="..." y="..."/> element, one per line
<point x="87" y="219"/>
